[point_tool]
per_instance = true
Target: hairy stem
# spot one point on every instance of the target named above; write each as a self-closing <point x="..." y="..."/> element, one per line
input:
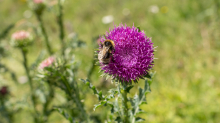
<point x="61" y="28"/>
<point x="125" y="106"/>
<point x="44" y="34"/>
<point x="49" y="99"/>
<point x="91" y="70"/>
<point x="75" y="98"/>
<point x="25" y="64"/>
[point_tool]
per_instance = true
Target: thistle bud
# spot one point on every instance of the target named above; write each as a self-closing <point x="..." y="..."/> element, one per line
<point x="47" y="62"/>
<point x="38" y="6"/>
<point x="21" y="39"/>
<point x="38" y="1"/>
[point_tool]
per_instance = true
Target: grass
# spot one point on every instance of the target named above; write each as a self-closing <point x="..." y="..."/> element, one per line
<point x="186" y="86"/>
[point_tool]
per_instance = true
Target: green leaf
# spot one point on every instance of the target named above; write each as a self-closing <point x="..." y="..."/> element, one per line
<point x="4" y="33"/>
<point x="64" y="114"/>
<point x="140" y="111"/>
<point x="96" y="106"/>
<point x="147" y="86"/>
<point x="100" y="95"/>
<point x="112" y="110"/>
<point x="139" y="29"/>
<point x="118" y="119"/>
<point x="139" y="119"/>
<point x="116" y="105"/>
<point x="95" y="91"/>
<point x="143" y="102"/>
<point x="148" y="75"/>
<point x="104" y="102"/>
<point x="150" y="81"/>
<point x="127" y="89"/>
<point x="141" y="93"/>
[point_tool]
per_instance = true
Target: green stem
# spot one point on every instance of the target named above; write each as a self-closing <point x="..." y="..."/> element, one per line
<point x="5" y="112"/>
<point x="125" y="105"/>
<point x="137" y="108"/>
<point x="24" y="54"/>
<point x="49" y="99"/>
<point x="60" y="23"/>
<point x="91" y="70"/>
<point x="75" y="98"/>
<point x="25" y="62"/>
<point x="44" y="34"/>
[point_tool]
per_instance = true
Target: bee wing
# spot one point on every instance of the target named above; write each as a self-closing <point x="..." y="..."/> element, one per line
<point x="104" y="53"/>
<point x="107" y="55"/>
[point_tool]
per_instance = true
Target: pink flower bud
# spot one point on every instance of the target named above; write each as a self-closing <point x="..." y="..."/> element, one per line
<point x="21" y="38"/>
<point x="47" y="62"/>
<point x="21" y="35"/>
<point x="38" y="1"/>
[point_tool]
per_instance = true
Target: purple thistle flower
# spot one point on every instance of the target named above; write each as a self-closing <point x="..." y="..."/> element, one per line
<point x="132" y="57"/>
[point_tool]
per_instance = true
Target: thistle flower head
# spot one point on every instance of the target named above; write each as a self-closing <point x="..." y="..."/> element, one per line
<point x="132" y="56"/>
<point x="21" y="38"/>
<point x="47" y="62"/>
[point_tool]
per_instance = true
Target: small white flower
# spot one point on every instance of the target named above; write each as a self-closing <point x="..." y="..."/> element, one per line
<point x="22" y="79"/>
<point x="154" y="9"/>
<point x="107" y="19"/>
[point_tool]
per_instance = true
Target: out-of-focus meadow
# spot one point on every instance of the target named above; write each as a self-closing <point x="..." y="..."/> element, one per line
<point x="186" y="86"/>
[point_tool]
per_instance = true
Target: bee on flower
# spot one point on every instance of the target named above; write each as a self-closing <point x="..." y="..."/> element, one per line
<point x="126" y="53"/>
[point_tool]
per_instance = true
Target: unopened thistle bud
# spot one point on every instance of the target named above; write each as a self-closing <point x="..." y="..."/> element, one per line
<point x="21" y="39"/>
<point x="38" y="7"/>
<point x="47" y="62"/>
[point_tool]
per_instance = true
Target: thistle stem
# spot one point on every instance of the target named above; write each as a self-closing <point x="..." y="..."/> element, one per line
<point x="125" y="105"/>
<point x="76" y="99"/>
<point x="44" y="34"/>
<point x="5" y="111"/>
<point x="60" y="23"/>
<point x="47" y="103"/>
<point x="91" y="70"/>
<point x="25" y="64"/>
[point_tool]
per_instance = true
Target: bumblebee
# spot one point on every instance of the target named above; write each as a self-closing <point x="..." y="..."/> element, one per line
<point x="106" y="50"/>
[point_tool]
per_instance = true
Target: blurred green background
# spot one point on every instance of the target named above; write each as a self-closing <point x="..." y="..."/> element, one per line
<point x="186" y="87"/>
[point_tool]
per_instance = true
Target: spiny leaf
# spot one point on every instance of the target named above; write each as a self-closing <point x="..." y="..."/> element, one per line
<point x="147" y="86"/>
<point x="140" y="111"/>
<point x="143" y="102"/>
<point x="141" y="93"/>
<point x="139" y="119"/>
<point x="64" y="114"/>
<point x="100" y="95"/>
<point x="96" y="106"/>
<point x="105" y="103"/>
<point x="148" y="75"/>
<point x="118" y="119"/>
<point x="4" y="33"/>
<point x="95" y="91"/>
<point x="129" y="88"/>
